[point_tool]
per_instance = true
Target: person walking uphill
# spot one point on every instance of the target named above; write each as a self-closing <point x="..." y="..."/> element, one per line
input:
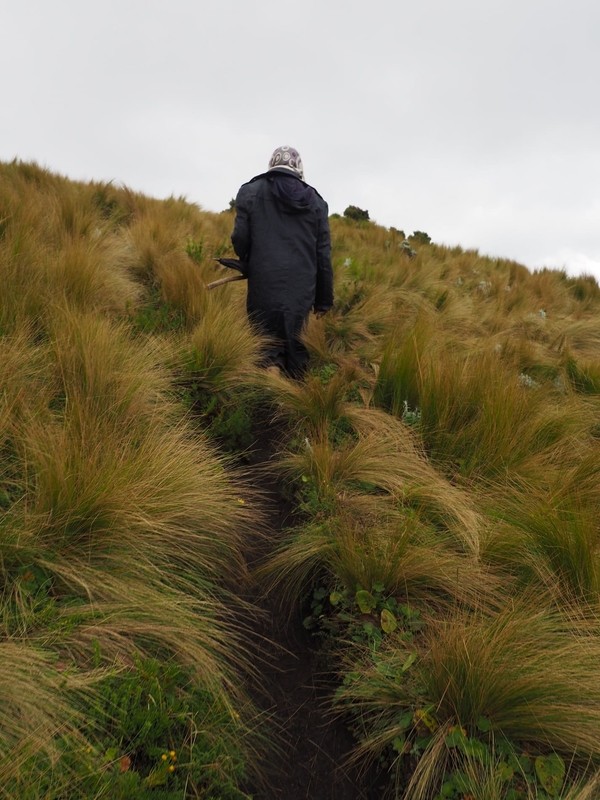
<point x="281" y="231"/>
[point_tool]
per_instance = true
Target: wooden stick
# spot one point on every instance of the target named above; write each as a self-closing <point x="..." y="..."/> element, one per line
<point x="221" y="281"/>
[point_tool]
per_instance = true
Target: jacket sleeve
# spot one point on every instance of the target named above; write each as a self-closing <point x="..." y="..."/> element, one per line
<point x="324" y="289"/>
<point x="240" y="238"/>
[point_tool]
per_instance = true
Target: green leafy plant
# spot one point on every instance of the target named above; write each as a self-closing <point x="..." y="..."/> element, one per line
<point x="362" y="615"/>
<point x="156" y="315"/>
<point x="152" y="735"/>
<point x="195" y="249"/>
<point x="227" y="416"/>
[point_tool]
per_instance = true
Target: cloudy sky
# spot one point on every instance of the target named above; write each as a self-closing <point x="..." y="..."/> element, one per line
<point x="476" y="121"/>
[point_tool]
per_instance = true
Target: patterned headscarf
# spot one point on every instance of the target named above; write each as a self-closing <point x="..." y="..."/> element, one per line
<point x="287" y="157"/>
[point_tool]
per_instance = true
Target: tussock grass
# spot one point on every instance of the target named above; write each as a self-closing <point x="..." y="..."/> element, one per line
<point x="361" y="313"/>
<point x="409" y="554"/>
<point x="93" y="274"/>
<point x="173" y="248"/>
<point x="101" y="373"/>
<point x="475" y="411"/>
<point x="155" y="495"/>
<point x="24" y="298"/>
<point x="337" y="334"/>
<point x="486" y="419"/>
<point x="584" y="790"/>
<point x="26" y="378"/>
<point x="39" y="712"/>
<point x="128" y="618"/>
<point x="383" y="515"/>
<point x="381" y="546"/>
<point x="51" y="257"/>
<point x="386" y="459"/>
<point x="483" y="781"/>
<point x="582" y="336"/>
<point x="320" y="404"/>
<point x="151" y="239"/>
<point x="182" y="285"/>
<point x="398" y="375"/>
<point x="550" y="536"/>
<point x="222" y="351"/>
<point x="528" y="673"/>
<point x="121" y="528"/>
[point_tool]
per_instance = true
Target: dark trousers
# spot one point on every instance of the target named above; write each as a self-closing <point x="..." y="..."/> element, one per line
<point x="284" y="350"/>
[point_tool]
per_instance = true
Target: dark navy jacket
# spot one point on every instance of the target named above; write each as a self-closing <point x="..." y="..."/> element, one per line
<point x="282" y="231"/>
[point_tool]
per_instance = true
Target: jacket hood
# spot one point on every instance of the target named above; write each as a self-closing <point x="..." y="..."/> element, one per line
<point x="290" y="190"/>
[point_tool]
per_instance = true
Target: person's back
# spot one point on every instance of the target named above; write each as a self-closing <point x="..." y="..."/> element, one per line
<point x="282" y="232"/>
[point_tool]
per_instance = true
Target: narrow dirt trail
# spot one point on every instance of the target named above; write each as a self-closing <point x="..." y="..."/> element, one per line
<point x="309" y="762"/>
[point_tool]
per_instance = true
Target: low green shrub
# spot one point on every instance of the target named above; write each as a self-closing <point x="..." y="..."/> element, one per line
<point x="153" y="735"/>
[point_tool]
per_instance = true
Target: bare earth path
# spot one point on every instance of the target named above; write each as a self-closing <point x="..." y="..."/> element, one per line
<point x="310" y="763"/>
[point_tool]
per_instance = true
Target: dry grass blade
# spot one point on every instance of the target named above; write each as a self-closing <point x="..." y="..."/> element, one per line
<point x="159" y="496"/>
<point x="385" y="459"/>
<point x="101" y="372"/>
<point x="38" y="709"/>
<point x="315" y="404"/>
<point x="125" y="618"/>
<point x="529" y="672"/>
<point x="222" y="351"/>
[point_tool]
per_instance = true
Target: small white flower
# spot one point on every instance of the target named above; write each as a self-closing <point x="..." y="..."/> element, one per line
<point x="527" y="381"/>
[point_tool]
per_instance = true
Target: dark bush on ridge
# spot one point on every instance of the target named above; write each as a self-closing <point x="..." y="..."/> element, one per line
<point x="356" y="213"/>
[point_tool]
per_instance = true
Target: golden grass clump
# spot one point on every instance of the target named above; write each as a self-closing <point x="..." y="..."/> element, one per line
<point x="24" y="298"/>
<point x="154" y="495"/>
<point x="387" y="458"/>
<point x="317" y="403"/>
<point x="102" y="373"/>
<point x="40" y="710"/>
<point x="367" y="544"/>
<point x="133" y="618"/>
<point x="93" y="274"/>
<point x="475" y="411"/>
<point x="549" y="535"/>
<point x="182" y="285"/>
<point x="26" y="379"/>
<point x="582" y="336"/>
<point x="173" y="249"/>
<point x="527" y="674"/>
<point x="382" y="515"/>
<point x="222" y="350"/>
<point x="361" y="313"/>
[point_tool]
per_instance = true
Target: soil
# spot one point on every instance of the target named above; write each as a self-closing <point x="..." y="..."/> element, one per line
<point x="311" y="758"/>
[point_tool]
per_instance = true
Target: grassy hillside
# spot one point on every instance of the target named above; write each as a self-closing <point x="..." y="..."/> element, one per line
<point x="442" y="457"/>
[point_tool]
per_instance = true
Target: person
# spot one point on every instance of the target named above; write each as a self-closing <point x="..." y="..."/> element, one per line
<point x="281" y="231"/>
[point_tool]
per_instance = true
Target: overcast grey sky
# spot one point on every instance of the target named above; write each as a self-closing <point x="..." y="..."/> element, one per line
<point x="477" y="121"/>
